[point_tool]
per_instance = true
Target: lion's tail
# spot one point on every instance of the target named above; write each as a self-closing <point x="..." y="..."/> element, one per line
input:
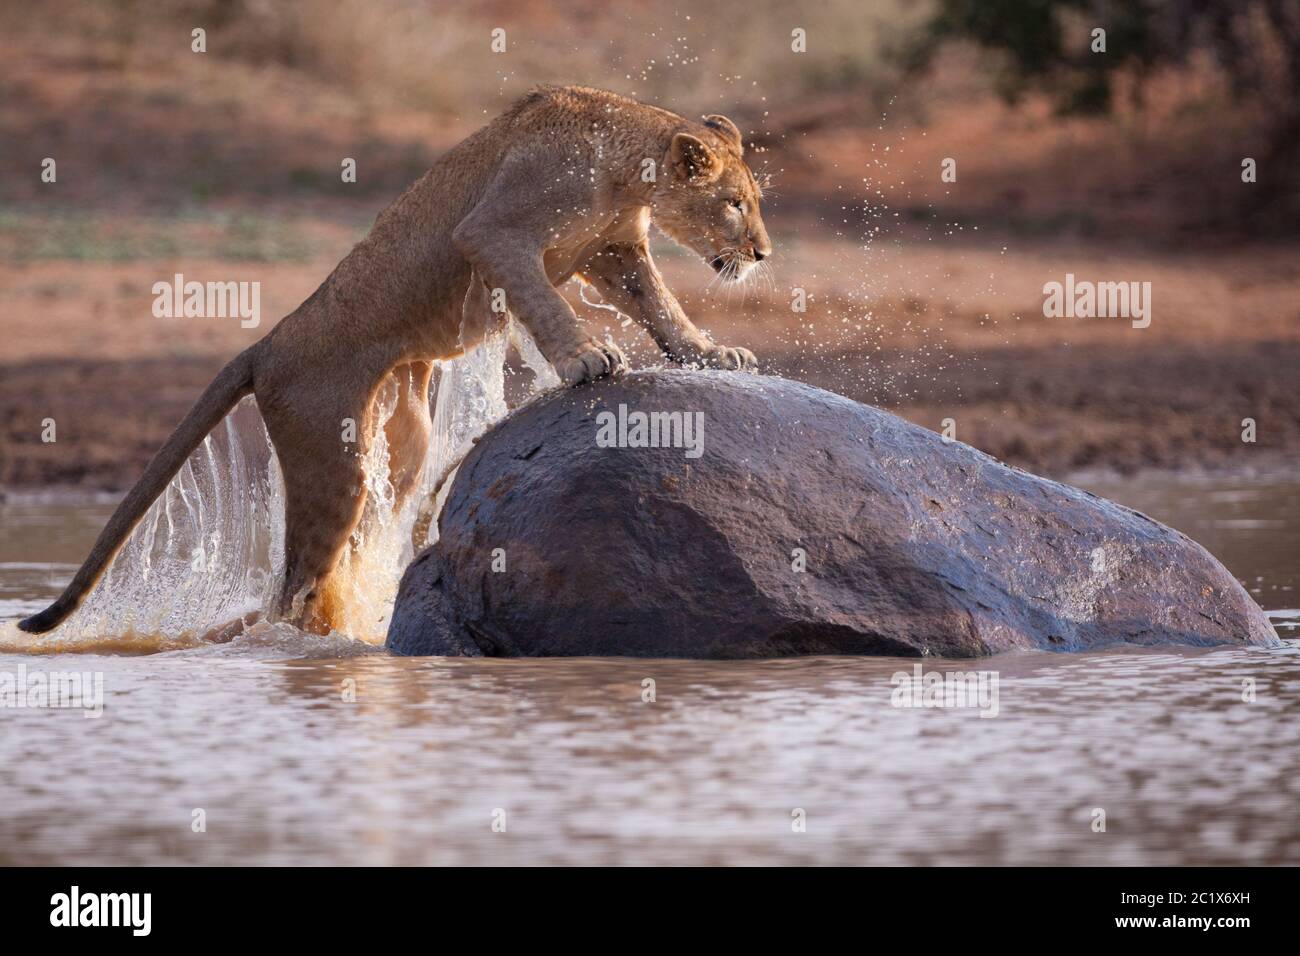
<point x="231" y="384"/>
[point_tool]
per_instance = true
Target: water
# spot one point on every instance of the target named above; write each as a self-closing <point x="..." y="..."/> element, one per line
<point x="324" y="750"/>
<point x="210" y="550"/>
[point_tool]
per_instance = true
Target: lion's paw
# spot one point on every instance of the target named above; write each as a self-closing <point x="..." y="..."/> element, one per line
<point x="722" y="356"/>
<point x="593" y="360"/>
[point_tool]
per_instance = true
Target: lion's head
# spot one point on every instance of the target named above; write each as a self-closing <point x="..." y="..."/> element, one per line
<point x="710" y="200"/>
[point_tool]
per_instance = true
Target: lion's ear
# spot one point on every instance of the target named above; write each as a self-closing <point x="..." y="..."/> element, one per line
<point x="693" y="160"/>
<point x="726" y="128"/>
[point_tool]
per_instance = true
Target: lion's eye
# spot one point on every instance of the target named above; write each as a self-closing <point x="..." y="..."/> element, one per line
<point x="736" y="204"/>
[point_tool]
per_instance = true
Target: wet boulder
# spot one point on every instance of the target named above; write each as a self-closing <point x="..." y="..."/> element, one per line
<point x="723" y="515"/>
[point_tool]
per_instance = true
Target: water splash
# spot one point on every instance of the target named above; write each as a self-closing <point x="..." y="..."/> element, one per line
<point x="210" y="550"/>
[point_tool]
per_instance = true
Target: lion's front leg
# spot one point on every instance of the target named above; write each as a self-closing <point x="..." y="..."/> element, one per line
<point x="627" y="278"/>
<point x="518" y="271"/>
<point x="504" y="239"/>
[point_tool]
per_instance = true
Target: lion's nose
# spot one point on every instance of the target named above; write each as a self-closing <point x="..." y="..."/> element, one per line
<point x="759" y="254"/>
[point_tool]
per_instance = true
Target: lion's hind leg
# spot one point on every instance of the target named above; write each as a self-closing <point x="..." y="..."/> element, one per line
<point x="408" y="428"/>
<point x="322" y="459"/>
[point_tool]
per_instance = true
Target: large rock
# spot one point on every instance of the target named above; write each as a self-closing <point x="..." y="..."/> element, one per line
<point x="911" y="544"/>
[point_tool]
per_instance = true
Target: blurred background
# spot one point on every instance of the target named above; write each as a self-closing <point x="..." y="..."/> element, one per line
<point x="924" y="296"/>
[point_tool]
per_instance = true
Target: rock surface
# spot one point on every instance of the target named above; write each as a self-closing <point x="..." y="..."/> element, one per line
<point x="910" y="544"/>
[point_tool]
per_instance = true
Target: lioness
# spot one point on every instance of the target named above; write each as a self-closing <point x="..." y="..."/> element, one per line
<point x="555" y="187"/>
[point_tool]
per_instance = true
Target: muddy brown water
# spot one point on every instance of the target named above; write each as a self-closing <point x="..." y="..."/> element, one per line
<point x="287" y="748"/>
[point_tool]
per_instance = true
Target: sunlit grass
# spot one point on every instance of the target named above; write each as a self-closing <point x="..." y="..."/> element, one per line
<point x="103" y="237"/>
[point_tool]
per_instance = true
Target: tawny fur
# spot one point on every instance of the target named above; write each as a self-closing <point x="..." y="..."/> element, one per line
<point x="555" y="187"/>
